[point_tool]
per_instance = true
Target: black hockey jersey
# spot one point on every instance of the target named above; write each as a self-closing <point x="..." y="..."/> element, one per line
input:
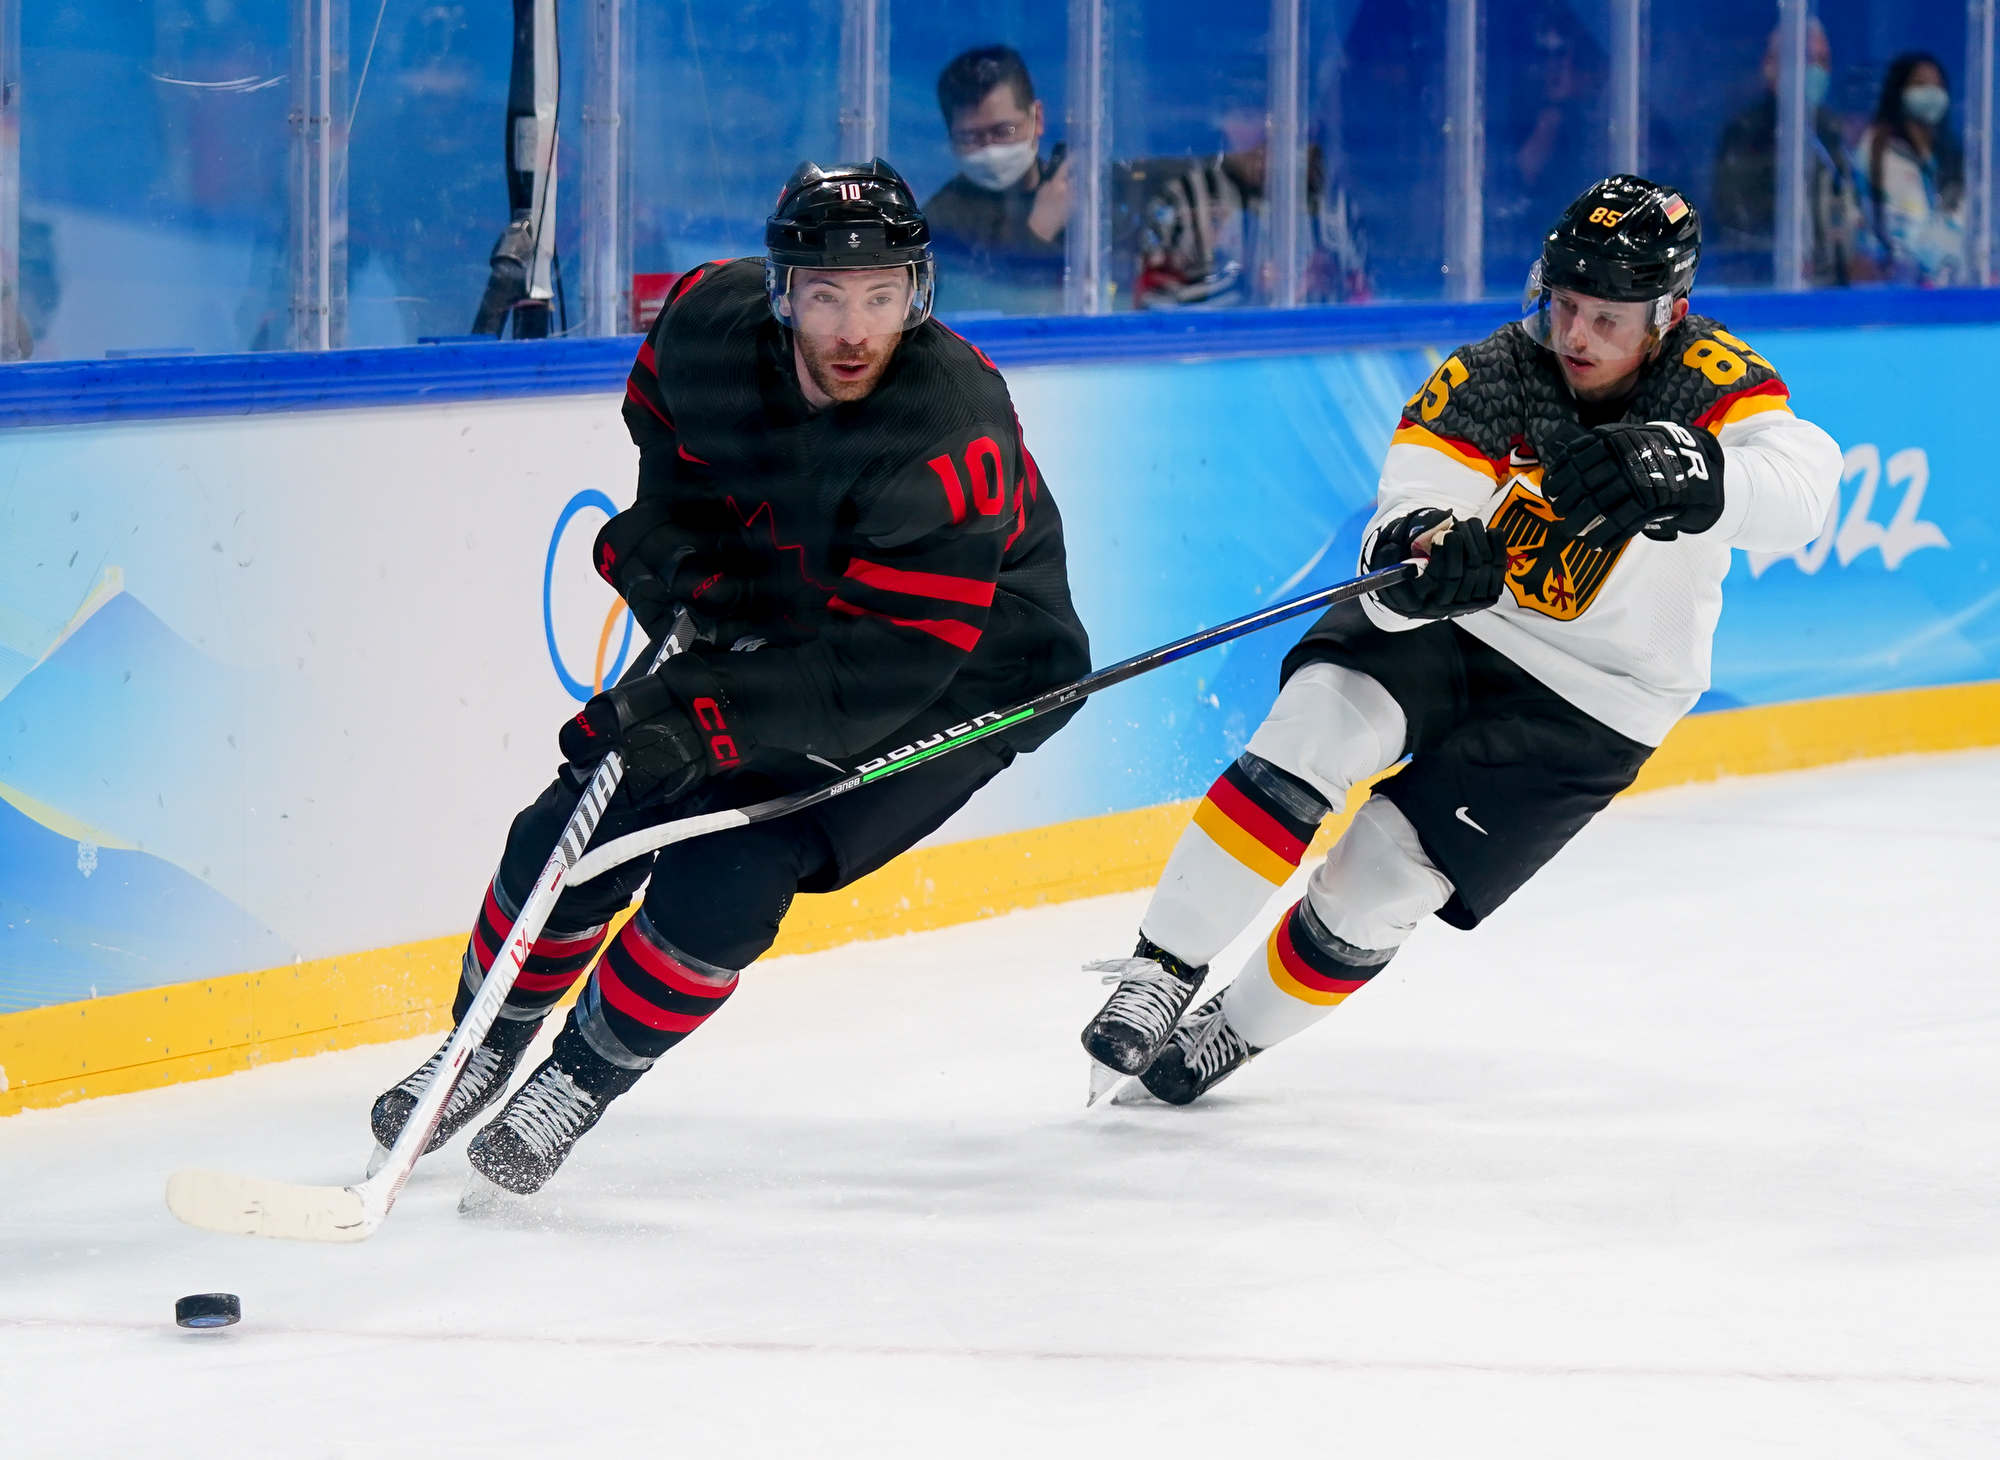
<point x="905" y="555"/>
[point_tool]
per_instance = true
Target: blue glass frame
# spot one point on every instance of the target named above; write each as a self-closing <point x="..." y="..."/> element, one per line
<point x="74" y="392"/>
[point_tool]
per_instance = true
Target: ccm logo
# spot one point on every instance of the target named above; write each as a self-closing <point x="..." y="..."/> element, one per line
<point x="721" y="746"/>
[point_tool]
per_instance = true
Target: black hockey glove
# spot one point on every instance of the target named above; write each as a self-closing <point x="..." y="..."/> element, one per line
<point x="1466" y="572"/>
<point x="658" y="572"/>
<point x="1661" y="479"/>
<point x="673" y="728"/>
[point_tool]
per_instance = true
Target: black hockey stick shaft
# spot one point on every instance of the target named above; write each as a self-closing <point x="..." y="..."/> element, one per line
<point x="614" y="853"/>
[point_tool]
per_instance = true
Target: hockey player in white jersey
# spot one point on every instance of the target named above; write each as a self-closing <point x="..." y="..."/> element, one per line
<point x="1576" y="480"/>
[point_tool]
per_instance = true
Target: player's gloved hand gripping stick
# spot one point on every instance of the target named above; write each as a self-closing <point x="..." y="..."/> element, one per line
<point x="260" y="1207"/>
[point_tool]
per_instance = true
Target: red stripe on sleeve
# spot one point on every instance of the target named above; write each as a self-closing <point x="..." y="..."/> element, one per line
<point x="1773" y="386"/>
<point x="632" y="392"/>
<point x="648" y="359"/>
<point x="952" y="589"/>
<point x="687" y="455"/>
<point x="958" y="635"/>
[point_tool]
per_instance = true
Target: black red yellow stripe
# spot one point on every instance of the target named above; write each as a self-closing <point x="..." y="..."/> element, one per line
<point x="1251" y="827"/>
<point x="1304" y="970"/>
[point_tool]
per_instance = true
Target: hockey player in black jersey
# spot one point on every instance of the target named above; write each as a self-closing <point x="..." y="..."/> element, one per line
<point x="1576" y="480"/>
<point x="836" y="487"/>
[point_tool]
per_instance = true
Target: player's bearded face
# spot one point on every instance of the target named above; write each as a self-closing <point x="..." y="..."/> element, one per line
<point x="1601" y="343"/>
<point x="847" y="323"/>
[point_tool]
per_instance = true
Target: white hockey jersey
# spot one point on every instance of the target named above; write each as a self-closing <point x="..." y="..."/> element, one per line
<point x="1623" y="633"/>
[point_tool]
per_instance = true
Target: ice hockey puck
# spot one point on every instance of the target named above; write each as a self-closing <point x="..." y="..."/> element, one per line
<point x="208" y="1310"/>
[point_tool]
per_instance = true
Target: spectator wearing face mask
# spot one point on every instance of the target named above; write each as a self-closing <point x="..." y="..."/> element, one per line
<point x="1915" y="177"/>
<point x="1744" y="199"/>
<point x="1000" y="221"/>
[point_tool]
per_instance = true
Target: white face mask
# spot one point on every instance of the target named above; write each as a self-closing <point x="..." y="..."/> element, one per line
<point x="1000" y="166"/>
<point x="1926" y="104"/>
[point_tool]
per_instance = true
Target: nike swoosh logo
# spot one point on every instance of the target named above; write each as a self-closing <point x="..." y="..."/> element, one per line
<point x="1470" y="822"/>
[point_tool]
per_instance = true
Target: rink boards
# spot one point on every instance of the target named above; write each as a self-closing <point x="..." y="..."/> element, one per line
<point x="271" y="686"/>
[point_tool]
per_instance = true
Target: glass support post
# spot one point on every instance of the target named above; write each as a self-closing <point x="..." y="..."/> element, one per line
<point x="1285" y="156"/>
<point x="1465" y="152"/>
<point x="1087" y="275"/>
<point x="1982" y="31"/>
<point x="1790" y="239"/>
<point x="318" y="183"/>
<point x="13" y="328"/>
<point x="606" y="220"/>
<point x="1628" y="72"/>
<point x="864" y="80"/>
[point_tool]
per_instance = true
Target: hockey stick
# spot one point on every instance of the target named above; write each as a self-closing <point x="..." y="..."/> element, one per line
<point x="255" y="1206"/>
<point x="637" y="844"/>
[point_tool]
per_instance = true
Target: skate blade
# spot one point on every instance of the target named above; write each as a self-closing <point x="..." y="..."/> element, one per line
<point x="1106" y="1081"/>
<point x="1133" y="1092"/>
<point x="483" y="1198"/>
<point x="378" y="1159"/>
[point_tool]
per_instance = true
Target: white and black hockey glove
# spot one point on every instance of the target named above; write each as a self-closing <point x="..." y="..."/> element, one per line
<point x="1660" y="478"/>
<point x="1466" y="570"/>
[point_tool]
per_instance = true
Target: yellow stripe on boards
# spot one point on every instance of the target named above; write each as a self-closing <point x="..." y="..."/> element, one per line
<point x="137" y="1041"/>
<point x="1241" y="845"/>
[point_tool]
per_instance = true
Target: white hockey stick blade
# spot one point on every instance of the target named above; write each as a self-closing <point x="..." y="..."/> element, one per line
<point x="252" y="1206"/>
<point x="1103" y="1080"/>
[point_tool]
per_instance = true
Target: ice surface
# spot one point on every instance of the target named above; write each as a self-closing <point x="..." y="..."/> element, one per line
<point x="1689" y="1152"/>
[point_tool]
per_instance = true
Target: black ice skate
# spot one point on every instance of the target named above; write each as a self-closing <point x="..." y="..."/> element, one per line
<point x="527" y="1142"/>
<point x="1201" y="1053"/>
<point x="1153" y="989"/>
<point x="482" y="1081"/>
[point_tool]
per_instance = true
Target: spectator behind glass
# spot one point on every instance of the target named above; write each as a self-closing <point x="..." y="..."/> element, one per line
<point x="997" y="227"/>
<point x="1914" y="177"/>
<point x="1206" y="236"/>
<point x="1546" y="126"/>
<point x="1744" y="202"/>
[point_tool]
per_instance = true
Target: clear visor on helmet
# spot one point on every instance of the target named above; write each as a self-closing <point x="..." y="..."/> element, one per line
<point x="851" y="304"/>
<point x="1552" y="315"/>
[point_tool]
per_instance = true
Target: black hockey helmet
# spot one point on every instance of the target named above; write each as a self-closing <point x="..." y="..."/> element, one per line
<point x="849" y="216"/>
<point x="1626" y="239"/>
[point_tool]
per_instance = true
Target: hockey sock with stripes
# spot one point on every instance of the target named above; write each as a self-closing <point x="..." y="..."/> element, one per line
<point x="1246" y="838"/>
<point x="554" y="962"/>
<point x="644" y="997"/>
<point x="1363" y="903"/>
<point x="1297" y="977"/>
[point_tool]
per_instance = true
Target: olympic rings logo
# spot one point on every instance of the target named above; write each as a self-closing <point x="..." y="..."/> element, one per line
<point x="600" y="675"/>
